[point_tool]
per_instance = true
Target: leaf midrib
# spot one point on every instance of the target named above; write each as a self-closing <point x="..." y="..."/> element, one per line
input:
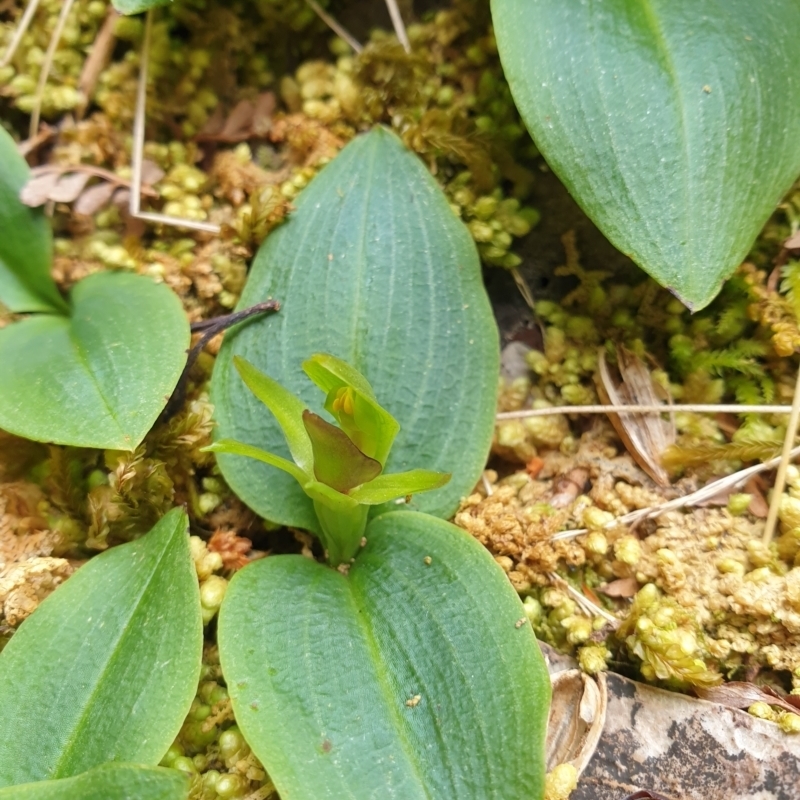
<point x="126" y="632"/>
<point x="81" y="355"/>
<point x="663" y="48"/>
<point x="385" y="689"/>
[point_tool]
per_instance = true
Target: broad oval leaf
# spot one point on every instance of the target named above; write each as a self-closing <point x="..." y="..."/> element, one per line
<point x="107" y="782"/>
<point x="26" y="249"/>
<point x="107" y="667"/>
<point x="100" y="377"/>
<point x="674" y="123"/>
<point x="375" y="269"/>
<point x="416" y="676"/>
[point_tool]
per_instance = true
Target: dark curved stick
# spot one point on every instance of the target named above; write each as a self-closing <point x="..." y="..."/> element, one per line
<point x="209" y="328"/>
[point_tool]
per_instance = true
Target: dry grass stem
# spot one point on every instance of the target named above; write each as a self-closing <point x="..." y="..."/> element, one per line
<point x="712" y="489"/>
<point x="586" y="605"/>
<point x="47" y="65"/>
<point x="137" y="150"/>
<point x="22" y="26"/>
<point x="786" y="455"/>
<point x="98" y="59"/>
<point x="697" y="408"/>
<point x="341" y="32"/>
<point x="399" y="26"/>
<point x="524" y="289"/>
<point x="645" y="436"/>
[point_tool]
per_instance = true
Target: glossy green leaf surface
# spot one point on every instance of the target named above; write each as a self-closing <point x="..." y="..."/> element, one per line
<point x="137" y="6"/>
<point x="26" y="250"/>
<point x="375" y="269"/>
<point x="673" y="123"/>
<point x="409" y="678"/>
<point x="107" y="782"/>
<point x="107" y="666"/>
<point x="100" y="377"/>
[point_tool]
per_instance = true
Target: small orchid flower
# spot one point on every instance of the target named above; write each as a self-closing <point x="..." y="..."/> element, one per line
<point x="339" y="468"/>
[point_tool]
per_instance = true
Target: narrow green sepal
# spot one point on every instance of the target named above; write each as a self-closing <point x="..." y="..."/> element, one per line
<point x="235" y="448"/>
<point x="389" y="487"/>
<point x="351" y="401"/>
<point x="337" y="461"/>
<point x="329" y="372"/>
<point x="285" y="407"/>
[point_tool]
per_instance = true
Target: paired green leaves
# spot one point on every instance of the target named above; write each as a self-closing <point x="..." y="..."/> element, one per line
<point x="106" y="668"/>
<point x="374" y="268"/>
<point x="107" y="782"/>
<point x="95" y="372"/>
<point x="411" y="677"/>
<point x="330" y="468"/>
<point x="100" y="376"/>
<point x="674" y="123"/>
<point x="26" y="250"/>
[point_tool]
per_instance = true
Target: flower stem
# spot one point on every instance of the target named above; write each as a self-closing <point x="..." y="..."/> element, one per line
<point x="342" y="531"/>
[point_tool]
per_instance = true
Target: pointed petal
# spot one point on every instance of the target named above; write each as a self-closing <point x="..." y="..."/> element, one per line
<point x="286" y="408"/>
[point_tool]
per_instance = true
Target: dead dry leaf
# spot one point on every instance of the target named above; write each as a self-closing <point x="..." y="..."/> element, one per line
<point x="645" y="436"/>
<point x="740" y="694"/>
<point x="689" y="749"/>
<point x="94" y="198"/>
<point x="793" y="242"/>
<point x="577" y="717"/>
<point x="247" y="120"/>
<point x="68" y="187"/>
<point x="59" y="183"/>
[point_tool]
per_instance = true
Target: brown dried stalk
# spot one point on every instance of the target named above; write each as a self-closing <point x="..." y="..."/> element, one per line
<point x="645" y="436"/>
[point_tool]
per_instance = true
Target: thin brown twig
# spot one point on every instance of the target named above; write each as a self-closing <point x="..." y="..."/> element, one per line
<point x="47" y="65"/>
<point x="708" y="491"/>
<point x="523" y="287"/>
<point x="208" y="329"/>
<point x="335" y="26"/>
<point x="780" y="477"/>
<point x="98" y="58"/>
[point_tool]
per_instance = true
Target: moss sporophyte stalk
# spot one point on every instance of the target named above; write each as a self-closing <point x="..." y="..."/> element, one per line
<point x="339" y="468"/>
